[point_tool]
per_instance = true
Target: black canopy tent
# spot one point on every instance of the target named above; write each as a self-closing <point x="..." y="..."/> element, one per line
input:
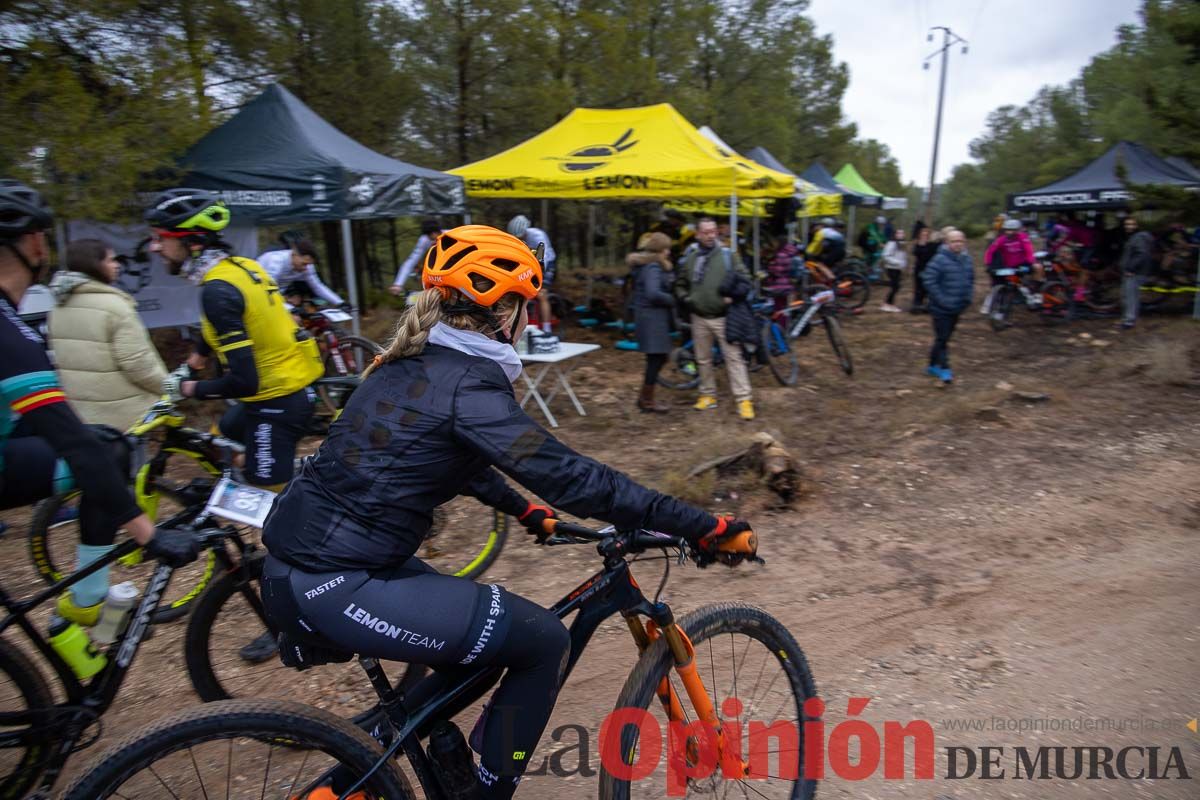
<point x="1097" y="187"/>
<point x="816" y="173"/>
<point x="763" y="156"/>
<point x="278" y="161"/>
<point x="1184" y="166"/>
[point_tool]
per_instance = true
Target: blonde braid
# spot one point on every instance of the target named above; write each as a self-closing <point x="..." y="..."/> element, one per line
<point x="412" y="331"/>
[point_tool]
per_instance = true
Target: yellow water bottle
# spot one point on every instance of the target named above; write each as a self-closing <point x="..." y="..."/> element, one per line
<point x="72" y="643"/>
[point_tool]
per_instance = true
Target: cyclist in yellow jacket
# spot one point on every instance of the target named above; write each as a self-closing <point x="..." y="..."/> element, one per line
<point x="268" y="363"/>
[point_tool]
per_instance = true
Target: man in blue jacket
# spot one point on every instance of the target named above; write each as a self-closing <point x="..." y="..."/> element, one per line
<point x="949" y="279"/>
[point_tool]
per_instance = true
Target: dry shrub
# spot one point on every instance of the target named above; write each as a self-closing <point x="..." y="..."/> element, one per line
<point x="695" y="489"/>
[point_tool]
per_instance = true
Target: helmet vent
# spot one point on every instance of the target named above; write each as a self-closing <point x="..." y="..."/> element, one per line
<point x="506" y="264"/>
<point x="536" y="282"/>
<point x="447" y="241"/>
<point x="480" y="283"/>
<point x="457" y="257"/>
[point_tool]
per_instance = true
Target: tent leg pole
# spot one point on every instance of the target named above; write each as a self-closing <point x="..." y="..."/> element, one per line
<point x="757" y="243"/>
<point x="850" y="235"/>
<point x="1196" y="302"/>
<point x="60" y="242"/>
<point x="545" y="214"/>
<point x="351" y="278"/>
<point x="587" y="250"/>
<point x="733" y="209"/>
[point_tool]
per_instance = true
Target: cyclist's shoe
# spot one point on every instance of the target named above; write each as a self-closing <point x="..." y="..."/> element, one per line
<point x="934" y="372"/>
<point x="946" y="375"/>
<point x="80" y="615"/>
<point x="261" y="649"/>
<point x="705" y="402"/>
<point x="745" y="409"/>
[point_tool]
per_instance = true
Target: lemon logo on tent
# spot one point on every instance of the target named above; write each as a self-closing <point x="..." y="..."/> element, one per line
<point x="594" y="156"/>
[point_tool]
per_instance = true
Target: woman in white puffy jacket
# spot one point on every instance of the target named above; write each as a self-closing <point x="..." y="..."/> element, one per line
<point x="895" y="259"/>
<point x="108" y="366"/>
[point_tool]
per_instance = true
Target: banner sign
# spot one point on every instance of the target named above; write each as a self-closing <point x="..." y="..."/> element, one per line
<point x="1097" y="199"/>
<point x="163" y="300"/>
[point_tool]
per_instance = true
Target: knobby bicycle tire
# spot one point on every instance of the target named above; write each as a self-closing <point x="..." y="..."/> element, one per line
<point x="496" y="539"/>
<point x="275" y="722"/>
<point x="1056" y="302"/>
<point x="1000" y="307"/>
<point x="852" y="290"/>
<point x="841" y="350"/>
<point x="701" y="625"/>
<point x="34" y="695"/>
<point x="42" y="529"/>
<point x="349" y="343"/>
<point x="675" y="373"/>
<point x="780" y="356"/>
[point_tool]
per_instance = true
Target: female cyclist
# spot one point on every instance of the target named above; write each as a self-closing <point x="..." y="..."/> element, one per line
<point x="436" y="417"/>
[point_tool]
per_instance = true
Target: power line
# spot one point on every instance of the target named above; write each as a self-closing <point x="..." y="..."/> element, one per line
<point x="949" y="38"/>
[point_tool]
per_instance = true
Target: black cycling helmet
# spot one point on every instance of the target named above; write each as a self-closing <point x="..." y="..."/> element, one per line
<point x="188" y="211"/>
<point x="22" y="211"/>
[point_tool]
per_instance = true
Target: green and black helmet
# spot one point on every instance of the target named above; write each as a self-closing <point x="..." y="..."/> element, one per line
<point x="188" y="211"/>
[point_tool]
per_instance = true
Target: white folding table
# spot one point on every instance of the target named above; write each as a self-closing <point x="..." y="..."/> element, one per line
<point x="559" y="364"/>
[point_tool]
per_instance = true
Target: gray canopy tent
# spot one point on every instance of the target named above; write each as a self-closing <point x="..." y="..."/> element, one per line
<point x="1098" y="187"/>
<point x="278" y="161"/>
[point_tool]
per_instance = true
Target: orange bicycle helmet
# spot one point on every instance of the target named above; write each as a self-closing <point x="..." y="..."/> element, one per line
<point x="483" y="263"/>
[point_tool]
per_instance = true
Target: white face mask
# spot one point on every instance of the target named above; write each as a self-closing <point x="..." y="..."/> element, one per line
<point x="476" y="344"/>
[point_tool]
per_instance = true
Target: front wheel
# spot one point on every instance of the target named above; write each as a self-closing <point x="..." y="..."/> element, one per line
<point x="841" y="350"/>
<point x="851" y="290"/>
<point x="353" y="355"/>
<point x="778" y="352"/>
<point x="242" y="749"/>
<point x="1056" y="302"/>
<point x="741" y="653"/>
<point x="1000" y="307"/>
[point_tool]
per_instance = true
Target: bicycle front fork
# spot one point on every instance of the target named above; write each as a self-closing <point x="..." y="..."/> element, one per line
<point x="684" y="656"/>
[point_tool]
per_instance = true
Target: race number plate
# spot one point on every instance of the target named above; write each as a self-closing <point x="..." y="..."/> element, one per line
<point x="238" y="502"/>
<point x="335" y="315"/>
<point x="1004" y="273"/>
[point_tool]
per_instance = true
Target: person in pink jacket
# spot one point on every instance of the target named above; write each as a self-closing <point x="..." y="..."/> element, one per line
<point x="1010" y="250"/>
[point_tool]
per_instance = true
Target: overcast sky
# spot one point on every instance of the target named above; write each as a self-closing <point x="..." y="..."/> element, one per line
<point x="1016" y="46"/>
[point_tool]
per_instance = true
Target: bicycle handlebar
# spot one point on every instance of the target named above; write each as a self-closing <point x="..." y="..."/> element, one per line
<point x="561" y="532"/>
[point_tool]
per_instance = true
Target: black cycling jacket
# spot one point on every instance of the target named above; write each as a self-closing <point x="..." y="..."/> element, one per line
<point x="422" y="430"/>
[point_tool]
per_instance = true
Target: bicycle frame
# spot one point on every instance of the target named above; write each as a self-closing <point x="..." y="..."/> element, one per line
<point x="70" y="720"/>
<point x="610" y="591"/>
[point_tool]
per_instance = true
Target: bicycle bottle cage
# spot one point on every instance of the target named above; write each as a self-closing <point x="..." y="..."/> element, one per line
<point x="302" y="655"/>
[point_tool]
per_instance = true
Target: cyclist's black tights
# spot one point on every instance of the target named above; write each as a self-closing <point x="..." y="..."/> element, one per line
<point x="33" y="472"/>
<point x="654" y="365"/>
<point x="411" y="613"/>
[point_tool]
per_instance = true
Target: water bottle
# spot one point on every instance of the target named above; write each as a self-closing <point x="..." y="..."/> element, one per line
<point x="451" y="760"/>
<point x="117" y="608"/>
<point x="72" y="643"/>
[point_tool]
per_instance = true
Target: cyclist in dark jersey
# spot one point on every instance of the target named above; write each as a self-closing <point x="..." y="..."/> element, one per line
<point x="44" y="447"/>
<point x="436" y="417"/>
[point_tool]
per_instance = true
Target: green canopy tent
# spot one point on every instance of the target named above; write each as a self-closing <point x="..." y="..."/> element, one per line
<point x="849" y="177"/>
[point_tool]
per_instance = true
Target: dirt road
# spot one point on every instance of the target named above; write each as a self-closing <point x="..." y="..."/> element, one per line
<point x="986" y="564"/>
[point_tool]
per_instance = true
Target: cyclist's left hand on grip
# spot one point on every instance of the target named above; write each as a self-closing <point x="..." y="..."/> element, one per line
<point x="534" y="520"/>
<point x="173" y="548"/>
<point x="731" y="542"/>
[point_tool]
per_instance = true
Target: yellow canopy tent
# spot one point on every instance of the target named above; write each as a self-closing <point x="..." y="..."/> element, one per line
<point x="649" y="152"/>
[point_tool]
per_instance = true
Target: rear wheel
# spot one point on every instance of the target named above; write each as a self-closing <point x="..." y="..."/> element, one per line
<point x="741" y="653"/>
<point x="1056" y="302"/>
<point x="851" y="290"/>
<point x="25" y="702"/>
<point x="241" y="749"/>
<point x="777" y="350"/>
<point x="353" y="355"/>
<point x="681" y="370"/>
<point x="841" y="350"/>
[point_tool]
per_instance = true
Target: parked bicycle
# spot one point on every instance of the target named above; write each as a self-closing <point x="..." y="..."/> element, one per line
<point x="692" y="665"/>
<point x="343" y="354"/>
<point x="1050" y="300"/>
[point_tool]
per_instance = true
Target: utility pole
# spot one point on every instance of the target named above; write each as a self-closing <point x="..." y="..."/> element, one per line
<point x="949" y="38"/>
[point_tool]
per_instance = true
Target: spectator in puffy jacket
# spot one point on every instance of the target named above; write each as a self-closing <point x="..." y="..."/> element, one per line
<point x="949" y="280"/>
<point x="779" y="271"/>
<point x="1137" y="262"/>
<point x="109" y="369"/>
<point x="652" y="307"/>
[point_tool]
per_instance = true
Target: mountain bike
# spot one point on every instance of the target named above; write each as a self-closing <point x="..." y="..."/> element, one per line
<point x="176" y="481"/>
<point x="1050" y="300"/>
<point x="820" y="309"/>
<point x="38" y="733"/>
<point x="343" y="354"/>
<point x="682" y="371"/>
<point x="695" y="666"/>
<point x="850" y="286"/>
